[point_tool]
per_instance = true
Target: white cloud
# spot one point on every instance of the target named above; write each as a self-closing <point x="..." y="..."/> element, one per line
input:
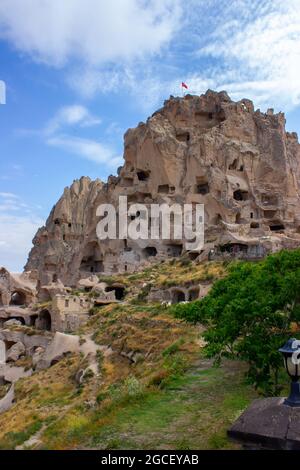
<point x="88" y="81"/>
<point x="86" y="148"/>
<point x="16" y="234"/>
<point x="261" y="49"/>
<point x="102" y="42"/>
<point x="71" y="115"/>
<point x="79" y="118"/>
<point x="18" y="225"/>
<point x="8" y="196"/>
<point x="249" y="47"/>
<point x="90" y="149"/>
<point x="94" y="31"/>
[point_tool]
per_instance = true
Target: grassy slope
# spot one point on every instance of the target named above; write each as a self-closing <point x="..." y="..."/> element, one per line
<point x="170" y="398"/>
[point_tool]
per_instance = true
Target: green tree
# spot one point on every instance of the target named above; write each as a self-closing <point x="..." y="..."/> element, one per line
<point x="249" y="314"/>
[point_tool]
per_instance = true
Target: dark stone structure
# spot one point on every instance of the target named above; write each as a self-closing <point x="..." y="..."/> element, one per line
<point x="268" y="424"/>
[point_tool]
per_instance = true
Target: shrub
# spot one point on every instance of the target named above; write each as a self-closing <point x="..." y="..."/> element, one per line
<point x="130" y="389"/>
<point x="101" y="397"/>
<point x="133" y="387"/>
<point x="175" y="364"/>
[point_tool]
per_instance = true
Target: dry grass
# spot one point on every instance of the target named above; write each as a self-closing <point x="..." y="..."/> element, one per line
<point x="89" y="415"/>
<point x="181" y="272"/>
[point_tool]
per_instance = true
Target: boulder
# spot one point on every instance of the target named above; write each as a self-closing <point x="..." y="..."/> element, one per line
<point x="59" y="346"/>
<point x="15" y="352"/>
<point x="12" y="322"/>
<point x="7" y="402"/>
<point x="37" y="355"/>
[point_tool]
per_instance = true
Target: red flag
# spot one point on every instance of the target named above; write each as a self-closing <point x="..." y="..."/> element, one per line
<point x="184" y="85"/>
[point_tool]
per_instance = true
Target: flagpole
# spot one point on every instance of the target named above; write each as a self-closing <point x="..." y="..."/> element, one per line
<point x="183" y="86"/>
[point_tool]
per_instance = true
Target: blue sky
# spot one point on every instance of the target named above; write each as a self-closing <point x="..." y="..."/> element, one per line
<point x="80" y="72"/>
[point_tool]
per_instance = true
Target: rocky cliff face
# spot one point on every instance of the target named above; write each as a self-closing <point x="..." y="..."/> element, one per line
<point x="240" y="163"/>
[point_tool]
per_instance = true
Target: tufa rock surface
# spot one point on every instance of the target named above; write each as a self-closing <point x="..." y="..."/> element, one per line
<point x="240" y="163"/>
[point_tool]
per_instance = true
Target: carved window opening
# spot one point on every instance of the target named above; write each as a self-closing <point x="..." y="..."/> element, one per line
<point x="183" y="136"/>
<point x="234" y="248"/>
<point x="174" y="250"/>
<point x="150" y="251"/>
<point x="278" y="227"/>
<point x="163" y="189"/>
<point x="254" y="225"/>
<point x="240" y="195"/>
<point x="143" y="175"/>
<point x="202" y="188"/>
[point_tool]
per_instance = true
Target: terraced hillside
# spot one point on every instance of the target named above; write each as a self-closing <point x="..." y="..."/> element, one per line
<point x="152" y="381"/>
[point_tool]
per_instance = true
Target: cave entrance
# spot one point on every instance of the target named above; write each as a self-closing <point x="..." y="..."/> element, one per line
<point x="163" y="189"/>
<point x="92" y="260"/>
<point x="119" y="291"/>
<point x="277" y="227"/>
<point x="194" y="293"/>
<point x="150" y="251"/>
<point x="18" y="298"/>
<point x="32" y="320"/>
<point x="178" y="296"/>
<point x="202" y="188"/>
<point x="234" y="248"/>
<point x="183" y="136"/>
<point x="193" y="255"/>
<point x="174" y="250"/>
<point x="143" y="175"/>
<point x="44" y="320"/>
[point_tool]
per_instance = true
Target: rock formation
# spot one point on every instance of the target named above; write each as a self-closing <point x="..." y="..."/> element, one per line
<point x="240" y="163"/>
